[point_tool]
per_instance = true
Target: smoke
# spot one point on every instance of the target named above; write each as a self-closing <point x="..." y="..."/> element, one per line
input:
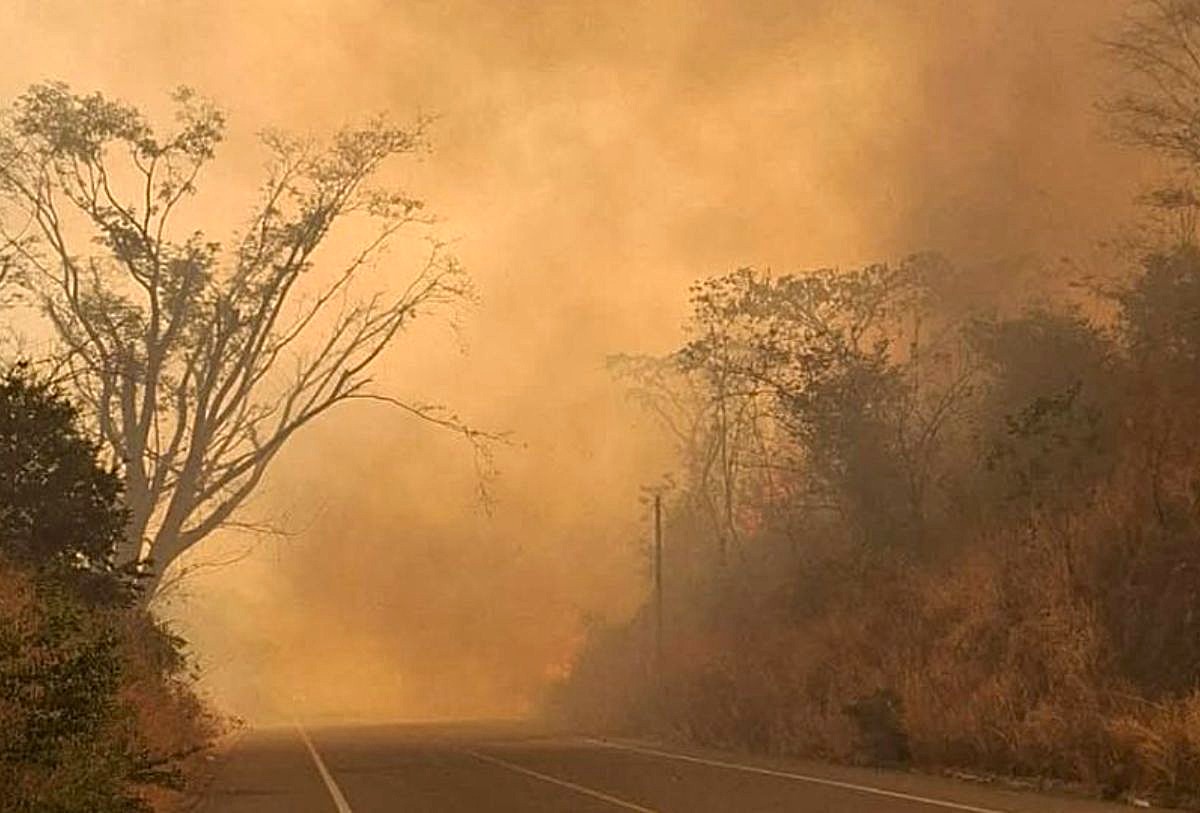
<point x="591" y="160"/>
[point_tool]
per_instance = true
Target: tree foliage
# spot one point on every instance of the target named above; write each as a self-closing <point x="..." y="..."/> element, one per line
<point x="58" y="503"/>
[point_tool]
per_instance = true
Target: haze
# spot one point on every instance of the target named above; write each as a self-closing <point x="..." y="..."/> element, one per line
<point x="590" y="160"/>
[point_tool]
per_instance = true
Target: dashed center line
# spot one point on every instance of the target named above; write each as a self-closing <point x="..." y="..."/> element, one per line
<point x="586" y="791"/>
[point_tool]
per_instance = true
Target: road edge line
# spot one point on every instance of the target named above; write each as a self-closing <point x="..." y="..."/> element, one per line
<point x="339" y="800"/>
<point x="798" y="777"/>
<point x="586" y="791"/>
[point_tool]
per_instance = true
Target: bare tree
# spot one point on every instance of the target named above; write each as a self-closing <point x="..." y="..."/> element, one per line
<point x="1158" y="103"/>
<point x="683" y="405"/>
<point x="1155" y="103"/>
<point x="200" y="361"/>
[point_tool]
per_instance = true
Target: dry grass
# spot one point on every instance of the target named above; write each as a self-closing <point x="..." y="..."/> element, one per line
<point x="1011" y="656"/>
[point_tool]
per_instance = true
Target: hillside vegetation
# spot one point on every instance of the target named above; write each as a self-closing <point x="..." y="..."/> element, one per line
<point x="941" y="514"/>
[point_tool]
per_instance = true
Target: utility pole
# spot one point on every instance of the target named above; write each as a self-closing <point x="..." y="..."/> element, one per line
<point x="658" y="586"/>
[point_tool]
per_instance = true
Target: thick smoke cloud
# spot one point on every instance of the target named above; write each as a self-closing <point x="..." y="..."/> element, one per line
<point x="591" y="159"/>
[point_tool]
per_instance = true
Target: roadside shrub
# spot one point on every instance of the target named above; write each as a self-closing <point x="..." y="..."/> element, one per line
<point x="95" y="706"/>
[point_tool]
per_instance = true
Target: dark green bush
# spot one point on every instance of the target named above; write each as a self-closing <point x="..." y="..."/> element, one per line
<point x="95" y="705"/>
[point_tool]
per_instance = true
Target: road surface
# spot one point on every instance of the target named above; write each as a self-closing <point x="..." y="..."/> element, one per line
<point x="496" y="768"/>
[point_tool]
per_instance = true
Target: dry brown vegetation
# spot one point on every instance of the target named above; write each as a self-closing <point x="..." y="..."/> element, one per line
<point x="97" y="709"/>
<point x="922" y="520"/>
<point x="1035" y="613"/>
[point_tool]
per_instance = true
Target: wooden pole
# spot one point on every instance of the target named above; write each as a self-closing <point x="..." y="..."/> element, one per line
<point x="658" y="584"/>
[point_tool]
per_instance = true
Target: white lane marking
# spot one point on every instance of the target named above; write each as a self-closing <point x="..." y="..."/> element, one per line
<point x="604" y="797"/>
<point x="799" y="777"/>
<point x="339" y="800"/>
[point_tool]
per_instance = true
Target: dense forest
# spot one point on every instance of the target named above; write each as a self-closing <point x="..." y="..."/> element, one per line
<point x="941" y="512"/>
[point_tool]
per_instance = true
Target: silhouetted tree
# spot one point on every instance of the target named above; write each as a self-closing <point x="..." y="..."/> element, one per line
<point x="198" y="361"/>
<point x="1156" y="103"/>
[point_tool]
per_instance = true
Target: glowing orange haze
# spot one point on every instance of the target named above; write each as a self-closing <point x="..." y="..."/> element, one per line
<point x="591" y="160"/>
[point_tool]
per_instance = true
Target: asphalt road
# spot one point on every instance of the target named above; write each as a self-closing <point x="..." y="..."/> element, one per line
<point x="500" y="767"/>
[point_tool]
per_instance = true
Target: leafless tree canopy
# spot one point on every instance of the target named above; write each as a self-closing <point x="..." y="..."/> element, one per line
<point x="200" y="360"/>
<point x="1158" y="105"/>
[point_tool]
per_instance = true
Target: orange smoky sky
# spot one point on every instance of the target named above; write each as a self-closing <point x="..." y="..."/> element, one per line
<point x="590" y="160"/>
